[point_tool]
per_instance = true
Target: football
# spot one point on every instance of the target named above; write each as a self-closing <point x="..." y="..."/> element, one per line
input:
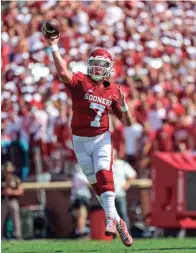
<point x="51" y="28"/>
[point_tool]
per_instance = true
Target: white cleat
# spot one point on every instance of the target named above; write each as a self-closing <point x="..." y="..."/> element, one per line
<point x="110" y="227"/>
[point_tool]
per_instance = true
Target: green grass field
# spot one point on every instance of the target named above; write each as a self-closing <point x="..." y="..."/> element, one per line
<point x="77" y="246"/>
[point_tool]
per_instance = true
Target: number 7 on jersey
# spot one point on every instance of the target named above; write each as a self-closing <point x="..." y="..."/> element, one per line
<point x="100" y="110"/>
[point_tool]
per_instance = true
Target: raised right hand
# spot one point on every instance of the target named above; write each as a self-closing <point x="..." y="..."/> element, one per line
<point x="51" y="42"/>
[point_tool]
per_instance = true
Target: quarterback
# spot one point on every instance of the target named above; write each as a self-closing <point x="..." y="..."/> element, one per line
<point x="93" y="97"/>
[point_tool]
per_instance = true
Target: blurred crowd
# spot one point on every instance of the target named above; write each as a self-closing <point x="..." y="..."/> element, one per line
<point x="154" y="53"/>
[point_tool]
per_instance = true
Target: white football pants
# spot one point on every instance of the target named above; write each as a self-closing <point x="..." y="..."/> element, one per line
<point x="93" y="154"/>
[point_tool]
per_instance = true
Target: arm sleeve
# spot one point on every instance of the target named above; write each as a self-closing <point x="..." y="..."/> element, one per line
<point x="76" y="81"/>
<point x="116" y="110"/>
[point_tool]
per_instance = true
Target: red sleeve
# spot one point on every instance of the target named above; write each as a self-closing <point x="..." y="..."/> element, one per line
<point x="115" y="105"/>
<point x="77" y="80"/>
<point x="116" y="110"/>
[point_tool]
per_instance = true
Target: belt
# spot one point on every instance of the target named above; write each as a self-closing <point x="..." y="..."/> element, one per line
<point x="84" y="138"/>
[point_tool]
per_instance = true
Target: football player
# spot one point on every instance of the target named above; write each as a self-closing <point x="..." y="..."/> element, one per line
<point x="93" y="97"/>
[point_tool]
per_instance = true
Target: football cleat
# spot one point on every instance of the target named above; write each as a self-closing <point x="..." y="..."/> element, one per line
<point x="125" y="237"/>
<point x="110" y="227"/>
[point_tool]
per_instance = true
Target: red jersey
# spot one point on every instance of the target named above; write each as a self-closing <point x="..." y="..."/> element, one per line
<point x="182" y="135"/>
<point x="164" y="137"/>
<point x="192" y="137"/>
<point x="91" y="105"/>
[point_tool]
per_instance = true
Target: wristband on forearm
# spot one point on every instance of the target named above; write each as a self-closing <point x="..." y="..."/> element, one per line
<point x="124" y="108"/>
<point x="54" y="48"/>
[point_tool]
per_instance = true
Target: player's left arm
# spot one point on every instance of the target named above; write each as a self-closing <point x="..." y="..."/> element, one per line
<point x="122" y="110"/>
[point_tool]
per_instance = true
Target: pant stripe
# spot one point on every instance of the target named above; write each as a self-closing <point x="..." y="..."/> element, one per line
<point x="111" y="158"/>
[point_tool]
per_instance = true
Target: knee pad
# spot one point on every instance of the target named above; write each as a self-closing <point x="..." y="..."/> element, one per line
<point x="105" y="180"/>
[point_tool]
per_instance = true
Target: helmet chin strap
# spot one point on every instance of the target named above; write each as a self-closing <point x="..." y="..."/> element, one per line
<point x="97" y="78"/>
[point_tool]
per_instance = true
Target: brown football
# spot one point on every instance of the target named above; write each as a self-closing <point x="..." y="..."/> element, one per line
<point x="51" y="28"/>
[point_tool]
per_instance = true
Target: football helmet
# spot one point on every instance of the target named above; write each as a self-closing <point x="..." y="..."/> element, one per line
<point x="99" y="64"/>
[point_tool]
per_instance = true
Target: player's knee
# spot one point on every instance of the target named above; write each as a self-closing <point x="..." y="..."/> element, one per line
<point x="92" y="179"/>
<point x="104" y="162"/>
<point x="89" y="173"/>
<point x="105" y="180"/>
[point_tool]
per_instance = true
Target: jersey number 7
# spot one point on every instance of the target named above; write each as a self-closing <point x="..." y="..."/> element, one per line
<point x="100" y="110"/>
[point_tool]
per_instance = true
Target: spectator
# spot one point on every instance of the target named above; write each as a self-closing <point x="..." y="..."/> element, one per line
<point x="19" y="156"/>
<point x="192" y="136"/>
<point x="80" y="198"/>
<point x="146" y="150"/>
<point x="181" y="135"/>
<point x="156" y="114"/>
<point x="133" y="136"/>
<point x="124" y="175"/>
<point x="11" y="190"/>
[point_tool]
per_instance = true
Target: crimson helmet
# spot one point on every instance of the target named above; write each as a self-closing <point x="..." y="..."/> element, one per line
<point x="99" y="64"/>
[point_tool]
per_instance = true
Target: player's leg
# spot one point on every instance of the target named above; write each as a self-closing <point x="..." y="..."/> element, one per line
<point x="98" y="195"/>
<point x="103" y="162"/>
<point x="83" y="153"/>
<point x="85" y="160"/>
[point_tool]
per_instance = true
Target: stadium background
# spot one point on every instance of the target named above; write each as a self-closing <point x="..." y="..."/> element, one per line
<point x="154" y="53"/>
